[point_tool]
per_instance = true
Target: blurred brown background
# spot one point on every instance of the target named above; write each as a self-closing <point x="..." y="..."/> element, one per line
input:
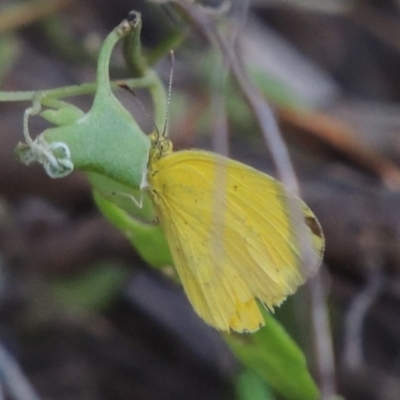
<point x="330" y="69"/>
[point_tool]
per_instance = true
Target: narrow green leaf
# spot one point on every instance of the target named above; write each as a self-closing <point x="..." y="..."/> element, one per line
<point x="275" y="356"/>
<point x="250" y="386"/>
<point x="148" y="239"/>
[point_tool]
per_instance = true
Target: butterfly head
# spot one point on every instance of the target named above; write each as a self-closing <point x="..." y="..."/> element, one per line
<point x="160" y="146"/>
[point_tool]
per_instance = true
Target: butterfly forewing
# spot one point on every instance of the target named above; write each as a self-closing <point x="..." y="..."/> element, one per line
<point x="230" y="235"/>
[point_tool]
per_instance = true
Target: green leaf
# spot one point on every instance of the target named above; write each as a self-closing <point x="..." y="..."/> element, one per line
<point x="250" y="386"/>
<point x="275" y="356"/>
<point x="118" y="203"/>
<point x="148" y="239"/>
<point x="124" y="197"/>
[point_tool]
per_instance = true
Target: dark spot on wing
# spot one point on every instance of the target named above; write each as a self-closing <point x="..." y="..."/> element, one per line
<point x="313" y="224"/>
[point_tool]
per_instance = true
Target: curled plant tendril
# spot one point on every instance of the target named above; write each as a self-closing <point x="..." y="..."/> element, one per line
<point x="55" y="157"/>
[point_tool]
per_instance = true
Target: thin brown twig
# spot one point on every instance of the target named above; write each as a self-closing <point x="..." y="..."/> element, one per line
<point x="323" y="347"/>
<point x="267" y="123"/>
<point x="281" y="158"/>
<point x="373" y="251"/>
<point x="14" y="379"/>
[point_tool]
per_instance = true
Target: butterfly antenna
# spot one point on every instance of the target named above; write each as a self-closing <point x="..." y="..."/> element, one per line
<point x="171" y="77"/>
<point x="124" y="86"/>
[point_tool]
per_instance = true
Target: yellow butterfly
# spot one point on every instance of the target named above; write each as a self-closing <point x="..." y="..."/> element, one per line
<point x="233" y="248"/>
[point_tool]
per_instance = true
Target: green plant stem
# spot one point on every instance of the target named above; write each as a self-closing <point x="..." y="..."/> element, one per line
<point x="103" y="63"/>
<point x="77" y="90"/>
<point x="132" y="48"/>
<point x="150" y="80"/>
